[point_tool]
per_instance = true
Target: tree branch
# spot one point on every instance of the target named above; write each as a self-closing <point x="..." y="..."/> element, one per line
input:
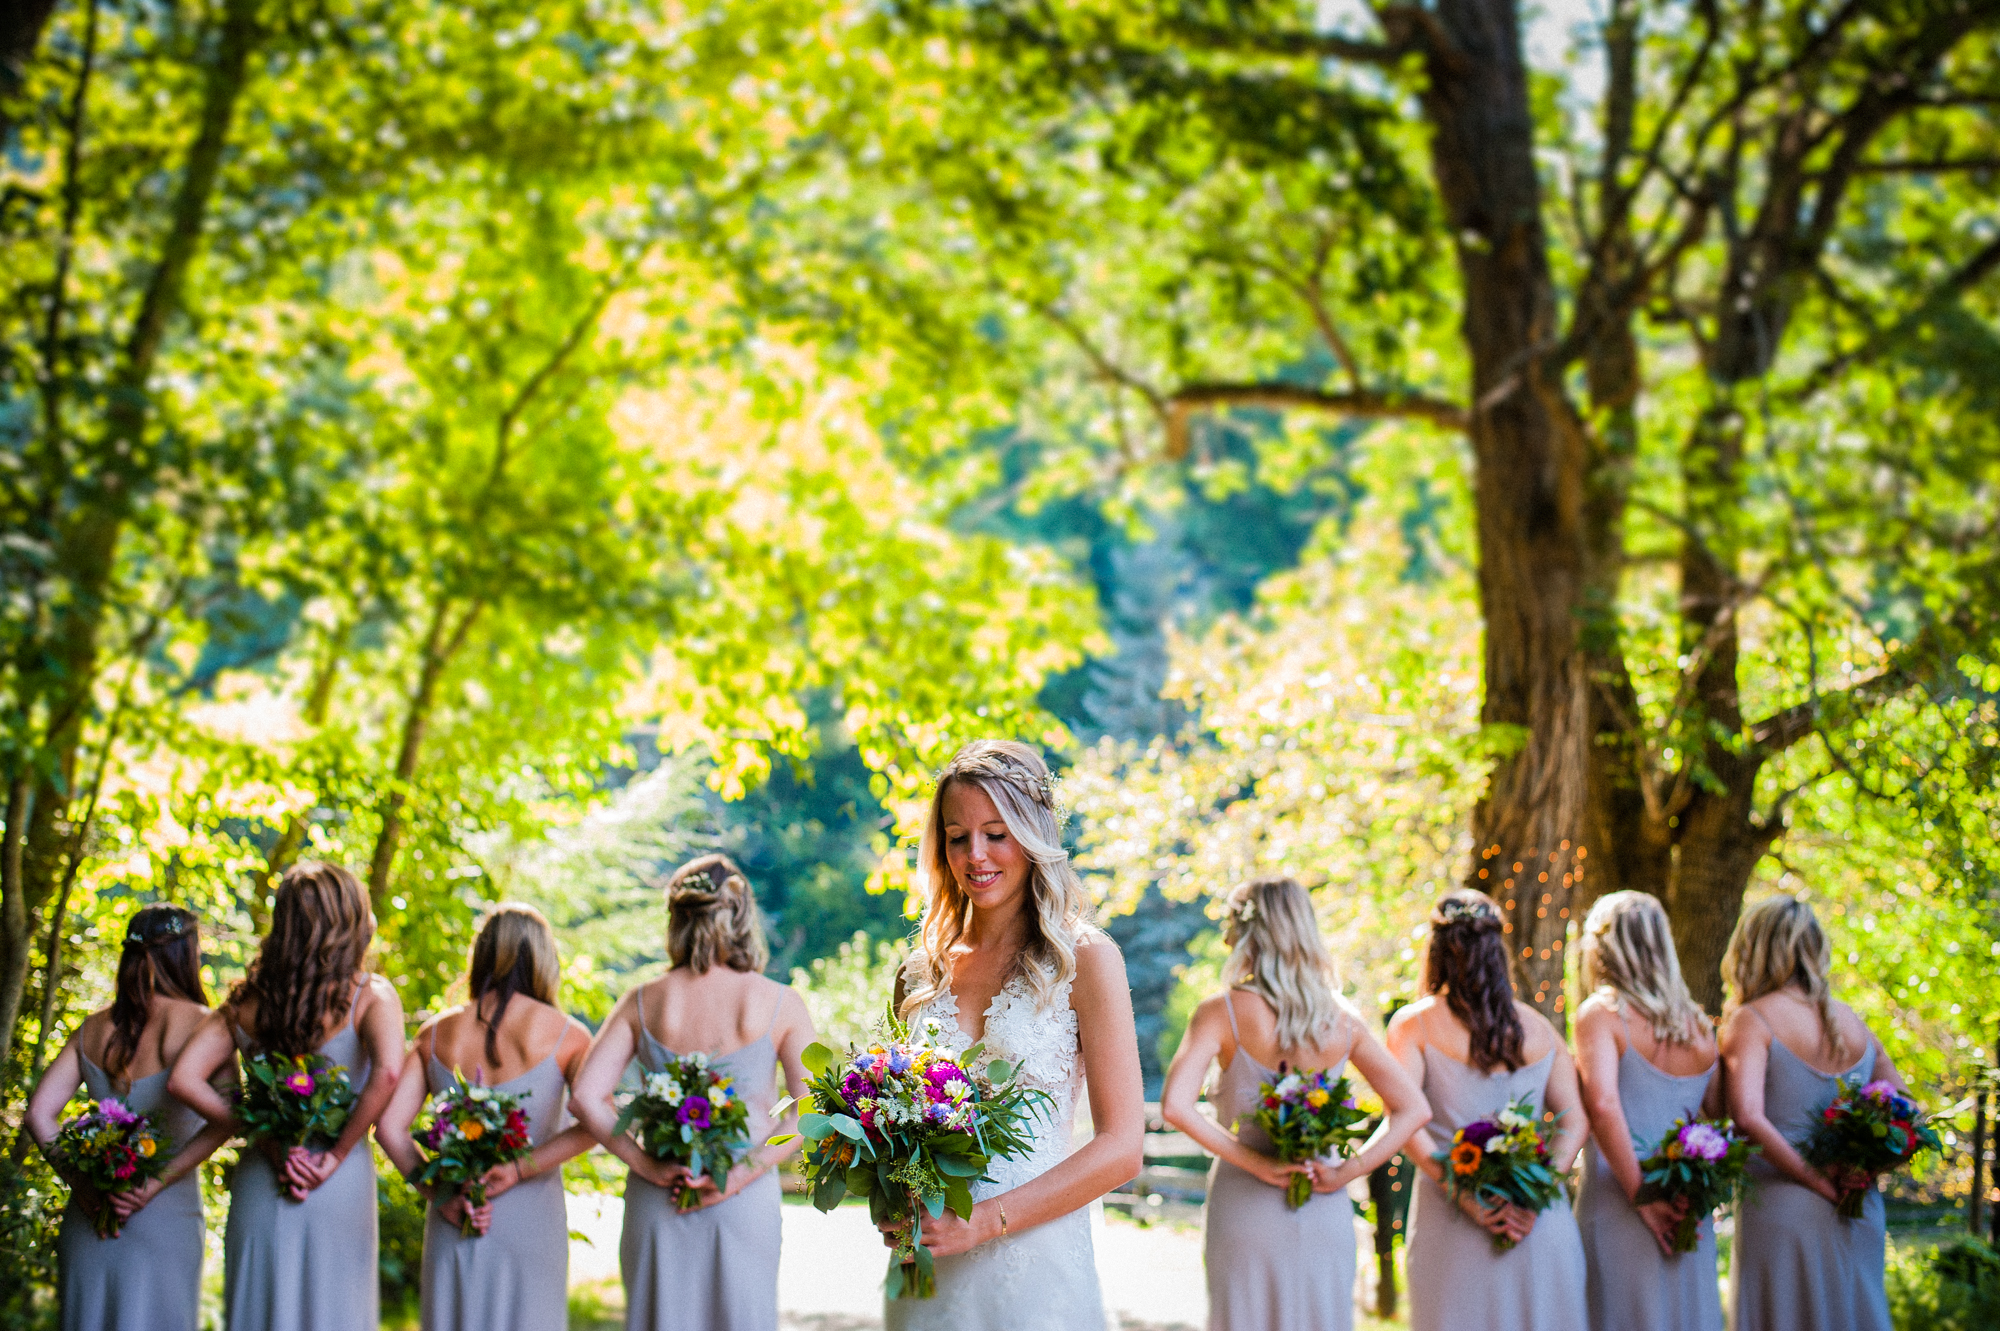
<point x="1292" y="42"/>
<point x="1928" y="165"/>
<point x="1201" y="397"/>
<point x="1968" y="275"/>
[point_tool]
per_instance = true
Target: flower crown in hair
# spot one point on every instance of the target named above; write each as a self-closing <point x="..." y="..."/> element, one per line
<point x="165" y="931"/>
<point x="1456" y="911"/>
<point x="1046" y="789"/>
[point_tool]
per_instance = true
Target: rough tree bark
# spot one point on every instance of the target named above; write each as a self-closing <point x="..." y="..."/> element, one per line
<point x="1529" y="451"/>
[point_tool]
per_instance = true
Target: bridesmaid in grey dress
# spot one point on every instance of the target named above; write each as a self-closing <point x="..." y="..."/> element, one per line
<point x="1647" y="1057"/>
<point x="299" y="1254"/>
<point x="1268" y="1265"/>
<point x="147" y="1278"/>
<point x="512" y="1273"/>
<point x="713" y="1268"/>
<point x="1788" y="1045"/>
<point x="1473" y="1048"/>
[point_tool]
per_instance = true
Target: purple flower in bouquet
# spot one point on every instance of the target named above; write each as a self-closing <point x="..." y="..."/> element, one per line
<point x="899" y="1060"/>
<point x="695" y="1112"/>
<point x="115" y="1111"/>
<point x="300" y="1083"/>
<point x="1699" y="1141"/>
<point x="1480" y="1133"/>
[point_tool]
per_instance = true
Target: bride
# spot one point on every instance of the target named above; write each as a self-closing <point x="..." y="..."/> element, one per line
<point x="1006" y="955"/>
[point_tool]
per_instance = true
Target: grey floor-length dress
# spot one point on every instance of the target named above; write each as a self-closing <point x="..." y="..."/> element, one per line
<point x="1633" y="1285"/>
<point x="149" y="1277"/>
<point x="715" y="1269"/>
<point x="515" y="1276"/>
<point x="1457" y="1280"/>
<point x="1797" y="1265"/>
<point x="310" y="1265"/>
<point x="1268" y="1265"/>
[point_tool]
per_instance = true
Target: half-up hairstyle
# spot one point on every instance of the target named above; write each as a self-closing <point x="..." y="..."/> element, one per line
<point x="712" y="918"/>
<point x="515" y="953"/>
<point x="1466" y="961"/>
<point x="1628" y="953"/>
<point x="303" y="977"/>
<point x="1016" y="779"/>
<point x="1278" y="954"/>
<point x="1778" y="942"/>
<point x="161" y="959"/>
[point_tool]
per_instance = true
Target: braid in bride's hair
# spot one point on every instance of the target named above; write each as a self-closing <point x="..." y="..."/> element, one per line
<point x="1016" y="779"/>
<point x="1468" y="961"/>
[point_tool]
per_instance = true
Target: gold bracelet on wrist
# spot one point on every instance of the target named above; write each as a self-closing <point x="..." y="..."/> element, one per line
<point x="1002" y="1207"/>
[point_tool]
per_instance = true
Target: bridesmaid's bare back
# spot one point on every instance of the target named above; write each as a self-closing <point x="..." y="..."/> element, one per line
<point x="719" y="1011"/>
<point x="1438" y="1028"/>
<point x="1256" y="1033"/>
<point x="529" y="1032"/>
<point x="169" y="1026"/>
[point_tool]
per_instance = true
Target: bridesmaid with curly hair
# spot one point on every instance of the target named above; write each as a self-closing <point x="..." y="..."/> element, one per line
<point x="1473" y="1047"/>
<point x="300" y="1249"/>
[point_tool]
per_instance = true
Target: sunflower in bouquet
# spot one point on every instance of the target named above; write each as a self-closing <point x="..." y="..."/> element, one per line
<point x="910" y="1124"/>
<point x="474" y="1129"/>
<point x="114" y="1150"/>
<point x="1504" y="1158"/>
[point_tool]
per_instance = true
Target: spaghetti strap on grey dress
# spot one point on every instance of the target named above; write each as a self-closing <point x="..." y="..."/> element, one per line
<point x="1797" y="1265"/>
<point x="515" y="1276"/>
<point x="715" y="1269"/>
<point x="1633" y="1285"/>
<point x="1457" y="1280"/>
<point x="310" y="1265"/>
<point x="149" y="1277"/>
<point x="1268" y="1265"/>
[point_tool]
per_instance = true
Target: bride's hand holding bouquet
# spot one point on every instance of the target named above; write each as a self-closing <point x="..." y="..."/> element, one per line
<point x="910" y="1125"/>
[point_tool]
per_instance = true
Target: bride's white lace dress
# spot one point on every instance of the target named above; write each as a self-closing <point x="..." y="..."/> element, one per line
<point x="1040" y="1279"/>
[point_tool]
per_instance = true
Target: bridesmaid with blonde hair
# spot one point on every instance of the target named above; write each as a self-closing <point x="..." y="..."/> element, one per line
<point x="147" y="1278"/>
<point x="1474" y="1047"/>
<point x="299" y="1254"/>
<point x="1268" y="1265"/>
<point x="716" y="1266"/>
<point x="512" y="1272"/>
<point x="1789" y="1046"/>
<point x="1647" y="1057"/>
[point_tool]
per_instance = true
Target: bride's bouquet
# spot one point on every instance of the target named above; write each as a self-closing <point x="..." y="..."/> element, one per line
<point x="1699" y="1161"/>
<point x="473" y="1129"/>
<point x="1306" y="1114"/>
<point x="1502" y="1159"/>
<point x="911" y="1126"/>
<point x="688" y="1114"/>
<point x="1863" y="1133"/>
<point x="114" y="1150"/>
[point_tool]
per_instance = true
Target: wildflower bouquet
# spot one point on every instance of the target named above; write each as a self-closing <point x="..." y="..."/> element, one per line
<point x="1502" y="1159"/>
<point x="114" y="1150"/>
<point x="293" y="1100"/>
<point x="1863" y="1133"/>
<point x="1306" y="1114"/>
<point x="690" y="1115"/>
<point x="473" y="1129"/>
<point x="910" y="1125"/>
<point x="1699" y="1162"/>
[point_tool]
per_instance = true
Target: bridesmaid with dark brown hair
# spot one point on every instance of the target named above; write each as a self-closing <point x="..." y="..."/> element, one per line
<point x="148" y="1278"/>
<point x="1473" y="1047"/>
<point x="300" y="1251"/>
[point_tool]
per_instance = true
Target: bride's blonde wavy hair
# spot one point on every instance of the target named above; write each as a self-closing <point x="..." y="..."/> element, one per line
<point x="1016" y="779"/>
<point x="1277" y="953"/>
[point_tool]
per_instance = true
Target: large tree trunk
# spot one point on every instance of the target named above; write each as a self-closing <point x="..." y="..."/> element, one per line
<point x="88" y="544"/>
<point x="1529" y="451"/>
